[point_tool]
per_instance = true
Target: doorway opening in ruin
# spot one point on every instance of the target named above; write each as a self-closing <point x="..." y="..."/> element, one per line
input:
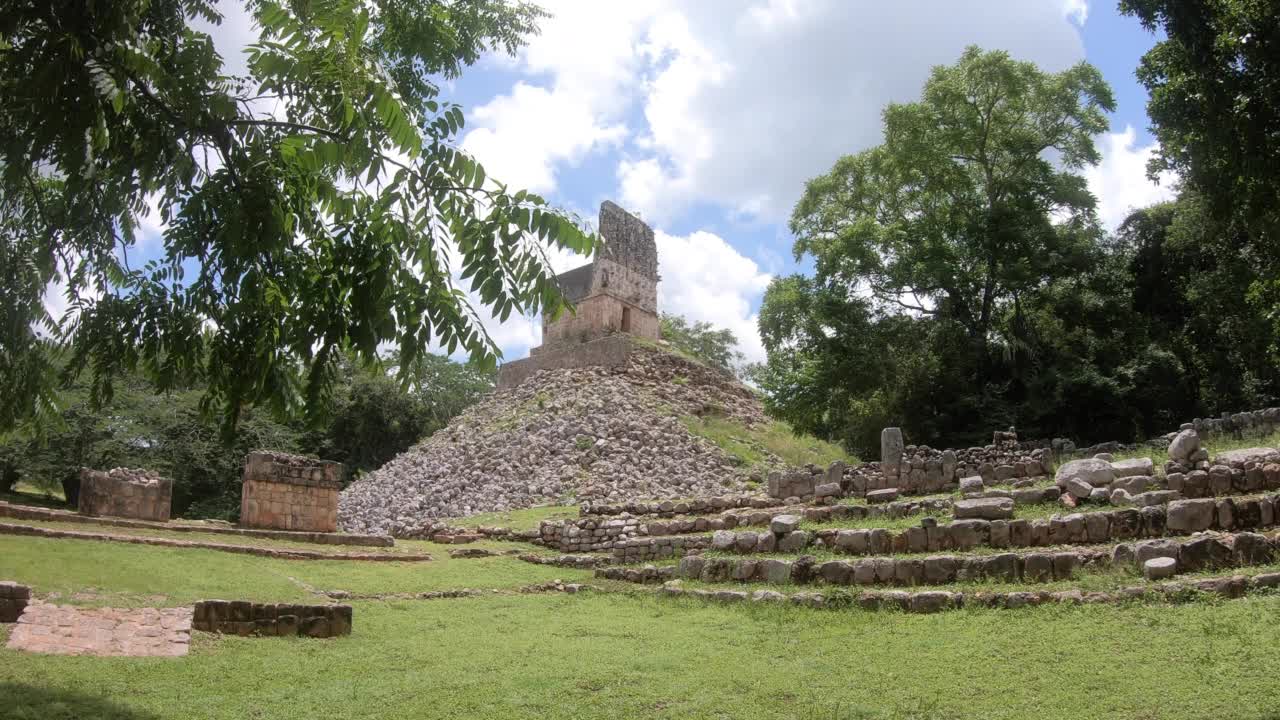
<point x="626" y="319"/>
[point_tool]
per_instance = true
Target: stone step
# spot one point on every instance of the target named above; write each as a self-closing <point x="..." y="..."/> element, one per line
<point x="1202" y="552"/>
<point x="930" y="601"/>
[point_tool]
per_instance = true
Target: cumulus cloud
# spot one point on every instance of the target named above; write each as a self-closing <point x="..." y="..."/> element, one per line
<point x="581" y="70"/>
<point x="1076" y="10"/>
<point x="1120" y="181"/>
<point x="705" y="279"/>
<point x="743" y="107"/>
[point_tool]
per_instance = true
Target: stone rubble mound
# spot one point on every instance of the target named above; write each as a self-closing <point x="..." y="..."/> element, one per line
<point x="134" y="476"/>
<point x="596" y="434"/>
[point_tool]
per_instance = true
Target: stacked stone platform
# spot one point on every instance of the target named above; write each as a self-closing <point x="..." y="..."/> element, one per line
<point x="244" y="618"/>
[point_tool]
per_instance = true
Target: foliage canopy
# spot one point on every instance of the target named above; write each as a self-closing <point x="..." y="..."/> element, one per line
<point x="316" y="205"/>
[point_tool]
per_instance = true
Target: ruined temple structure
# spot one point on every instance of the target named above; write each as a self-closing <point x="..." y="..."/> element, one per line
<point x="280" y="491"/>
<point x="616" y="293"/>
<point x="125" y="493"/>
<point x="614" y="297"/>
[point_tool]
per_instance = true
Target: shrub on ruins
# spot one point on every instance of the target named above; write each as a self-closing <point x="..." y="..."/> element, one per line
<point x="314" y="204"/>
<point x="717" y="347"/>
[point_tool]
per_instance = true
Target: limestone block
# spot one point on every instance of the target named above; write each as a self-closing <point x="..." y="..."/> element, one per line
<point x="1159" y="568"/>
<point x="994" y="508"/>
<point x="784" y="524"/>
<point x="1188" y="516"/>
<point x="1184" y="445"/>
<point x="882" y="496"/>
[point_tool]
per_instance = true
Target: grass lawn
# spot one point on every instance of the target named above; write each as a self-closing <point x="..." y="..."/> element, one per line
<point x="628" y="655"/>
<point x="752" y="446"/>
<point x="526" y="519"/>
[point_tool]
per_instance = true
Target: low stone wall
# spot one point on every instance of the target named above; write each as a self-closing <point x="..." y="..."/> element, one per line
<point x="579" y="562"/>
<point x="922" y="469"/>
<point x="1229" y="587"/>
<point x="290" y="492"/>
<point x="1180" y="517"/>
<point x="125" y="492"/>
<point x="1201" y="552"/>
<point x="645" y="549"/>
<point x="271" y="552"/>
<point x="26" y="512"/>
<point x="671" y="508"/>
<point x="611" y="351"/>
<point x="244" y="618"/>
<point x="13" y="600"/>
<point x="1250" y="423"/>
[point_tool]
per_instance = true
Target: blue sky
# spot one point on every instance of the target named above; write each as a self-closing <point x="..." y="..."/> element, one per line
<point x="706" y="117"/>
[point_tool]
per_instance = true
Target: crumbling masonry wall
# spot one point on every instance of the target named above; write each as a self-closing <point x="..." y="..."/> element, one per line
<point x="126" y="493"/>
<point x="290" y="492"/>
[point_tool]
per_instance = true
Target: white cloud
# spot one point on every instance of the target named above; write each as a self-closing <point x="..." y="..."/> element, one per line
<point x="743" y="107"/>
<point x="524" y="135"/>
<point x="1120" y="181"/>
<point x="581" y="70"/>
<point x="705" y="279"/>
<point x="1076" y="10"/>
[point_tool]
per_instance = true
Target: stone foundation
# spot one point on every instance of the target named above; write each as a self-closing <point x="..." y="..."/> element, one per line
<point x="126" y="493"/>
<point x="610" y="351"/>
<point x="240" y="617"/>
<point x="290" y="492"/>
<point x="13" y="600"/>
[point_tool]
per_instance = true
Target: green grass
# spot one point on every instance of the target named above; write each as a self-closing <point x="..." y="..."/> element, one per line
<point x="1221" y="445"/>
<point x="401" y="546"/>
<point x="136" y="574"/>
<point x="752" y="447"/>
<point x="526" y="519"/>
<point x="25" y="493"/>
<point x="633" y="655"/>
<point x="1215" y="446"/>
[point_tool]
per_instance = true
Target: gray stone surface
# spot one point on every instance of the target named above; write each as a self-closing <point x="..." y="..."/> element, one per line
<point x="1132" y="467"/>
<point x="783" y="524"/>
<point x="995" y="508"/>
<point x="1160" y="568"/>
<point x="891" y="448"/>
<point x="1188" y="516"/>
<point x="1091" y="472"/>
<point x="882" y="496"/>
<point x="971" y="484"/>
<point x="1184" y="444"/>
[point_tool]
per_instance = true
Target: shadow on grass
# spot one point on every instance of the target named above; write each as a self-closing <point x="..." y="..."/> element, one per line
<point x="28" y="702"/>
<point x="18" y="497"/>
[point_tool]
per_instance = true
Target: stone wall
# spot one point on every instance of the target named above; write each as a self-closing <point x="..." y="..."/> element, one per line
<point x="922" y="469"/>
<point x="124" y="492"/>
<point x="628" y="241"/>
<point x="612" y="351"/>
<point x="244" y="618"/>
<point x="1201" y="552"/>
<point x="13" y="600"/>
<point x="595" y="317"/>
<point x="290" y="492"/>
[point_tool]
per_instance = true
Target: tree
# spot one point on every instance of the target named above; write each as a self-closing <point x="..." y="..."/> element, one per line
<point x="1214" y="85"/>
<point x="934" y="256"/>
<point x="971" y="201"/>
<point x="717" y="348"/>
<point x="314" y="207"/>
<point x="376" y="417"/>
